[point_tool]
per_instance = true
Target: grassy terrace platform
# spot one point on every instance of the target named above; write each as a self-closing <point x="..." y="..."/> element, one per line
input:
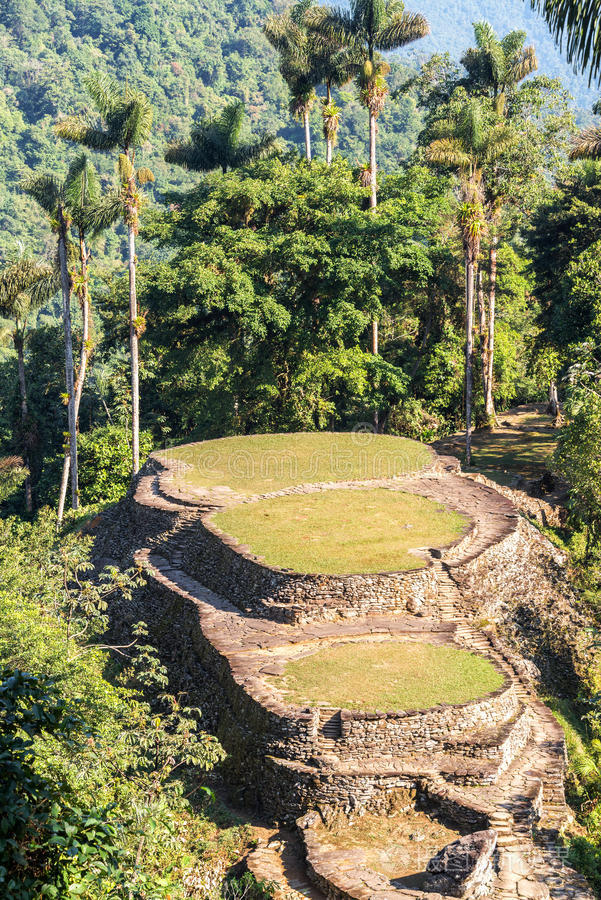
<point x="342" y="532"/>
<point x="261" y="463"/>
<point x="387" y="675"/>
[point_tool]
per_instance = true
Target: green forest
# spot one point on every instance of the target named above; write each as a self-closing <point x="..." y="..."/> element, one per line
<point x="240" y="218"/>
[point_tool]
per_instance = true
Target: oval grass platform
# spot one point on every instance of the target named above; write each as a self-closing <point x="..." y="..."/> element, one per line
<point x="261" y="463"/>
<point x="342" y="532"/>
<point x="392" y="675"/>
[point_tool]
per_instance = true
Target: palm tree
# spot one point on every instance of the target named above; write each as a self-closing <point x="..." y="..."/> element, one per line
<point x="82" y="192"/>
<point x="299" y="51"/>
<point x="24" y="286"/>
<point x="216" y="143"/>
<point x="51" y="195"/>
<point x="368" y="27"/>
<point x="309" y="59"/>
<point x="495" y="68"/>
<point x="467" y="142"/>
<point x="125" y="124"/>
<point x="337" y="68"/>
<point x="587" y="144"/>
<point x="578" y="22"/>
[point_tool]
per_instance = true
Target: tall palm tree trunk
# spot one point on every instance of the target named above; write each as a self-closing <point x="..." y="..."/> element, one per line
<point x="489" y="406"/>
<point x="483" y="333"/>
<point x="83" y="365"/>
<point x="373" y="197"/>
<point x="329" y="136"/>
<point x="19" y="342"/>
<point x="469" y="350"/>
<point x="373" y="202"/>
<point x="307" y="125"/>
<point x="66" y="294"/>
<point x="133" y="342"/>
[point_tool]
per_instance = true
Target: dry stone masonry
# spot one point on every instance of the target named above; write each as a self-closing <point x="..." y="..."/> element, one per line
<point x="226" y="625"/>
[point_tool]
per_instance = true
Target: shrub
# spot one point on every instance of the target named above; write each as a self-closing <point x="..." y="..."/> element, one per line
<point x="105" y="463"/>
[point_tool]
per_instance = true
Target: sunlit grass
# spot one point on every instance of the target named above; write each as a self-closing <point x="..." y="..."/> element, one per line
<point x="269" y="462"/>
<point x="387" y="675"/>
<point x="342" y="531"/>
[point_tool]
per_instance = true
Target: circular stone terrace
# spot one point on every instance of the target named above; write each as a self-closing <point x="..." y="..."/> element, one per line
<point x="347" y="688"/>
<point x="312" y="526"/>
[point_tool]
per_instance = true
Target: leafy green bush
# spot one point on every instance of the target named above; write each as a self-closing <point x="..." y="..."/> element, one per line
<point x="105" y="463"/>
<point x="116" y="751"/>
<point x="578" y="454"/>
<point x="48" y="845"/>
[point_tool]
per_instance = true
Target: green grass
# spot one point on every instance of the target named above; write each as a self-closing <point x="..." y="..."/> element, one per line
<point x="269" y="462"/>
<point x="527" y="453"/>
<point x="342" y="531"/>
<point x="521" y="452"/>
<point x="387" y="675"/>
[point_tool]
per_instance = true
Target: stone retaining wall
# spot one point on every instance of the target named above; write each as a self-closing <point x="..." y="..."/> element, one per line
<point x="364" y="733"/>
<point x="290" y="733"/>
<point x="522" y="584"/>
<point x="215" y="560"/>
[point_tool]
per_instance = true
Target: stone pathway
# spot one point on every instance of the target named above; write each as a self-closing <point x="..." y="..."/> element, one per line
<point x="525" y="791"/>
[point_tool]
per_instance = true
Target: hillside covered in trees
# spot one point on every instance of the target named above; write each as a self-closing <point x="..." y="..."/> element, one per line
<point x="190" y="58"/>
<point x="262" y="226"/>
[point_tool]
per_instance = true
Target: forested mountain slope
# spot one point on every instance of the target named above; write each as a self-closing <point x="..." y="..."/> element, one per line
<point x="189" y="57"/>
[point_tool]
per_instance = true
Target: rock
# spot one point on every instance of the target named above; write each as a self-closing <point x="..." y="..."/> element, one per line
<point x="465" y="867"/>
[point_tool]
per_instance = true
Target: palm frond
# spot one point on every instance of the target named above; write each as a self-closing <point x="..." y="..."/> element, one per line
<point x="252" y="150"/>
<point x="524" y="65"/>
<point x="105" y="213"/>
<point x="229" y="122"/>
<point x="191" y="155"/>
<point x="400" y="30"/>
<point x="137" y="122"/>
<point x="336" y="25"/>
<point x="484" y="35"/>
<point x="283" y="33"/>
<point x="448" y="152"/>
<point x="513" y="43"/>
<point x="575" y="25"/>
<point x="105" y="92"/>
<point x="81" y="185"/>
<point x="25" y="284"/>
<point x="498" y="141"/>
<point x="46" y="286"/>
<point x="587" y="144"/>
<point x="597" y="107"/>
<point x="79" y="130"/>
<point x="44" y="189"/>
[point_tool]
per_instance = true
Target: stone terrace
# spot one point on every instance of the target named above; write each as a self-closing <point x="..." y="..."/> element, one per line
<point x="225" y="624"/>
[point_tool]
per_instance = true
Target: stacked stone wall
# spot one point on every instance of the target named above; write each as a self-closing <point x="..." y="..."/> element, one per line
<point x="215" y="560"/>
